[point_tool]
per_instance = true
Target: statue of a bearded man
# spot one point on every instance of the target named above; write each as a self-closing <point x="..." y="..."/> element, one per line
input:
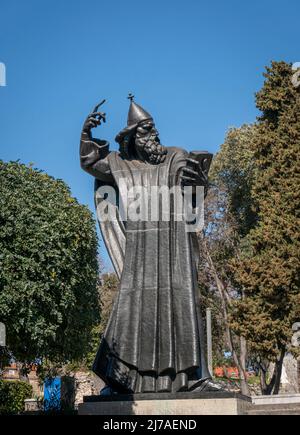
<point x="154" y="340"/>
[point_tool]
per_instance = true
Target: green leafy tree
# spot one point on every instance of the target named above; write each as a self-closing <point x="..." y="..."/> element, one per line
<point x="228" y="218"/>
<point x="232" y="172"/>
<point x="48" y="266"/>
<point x="268" y="270"/>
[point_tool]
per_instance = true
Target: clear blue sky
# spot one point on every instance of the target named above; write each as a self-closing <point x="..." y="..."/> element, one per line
<point x="194" y="64"/>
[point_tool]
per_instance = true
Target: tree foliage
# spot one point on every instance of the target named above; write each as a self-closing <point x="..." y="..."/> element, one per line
<point x="232" y="172"/>
<point x="228" y="218"/>
<point x="252" y="231"/>
<point x="48" y="266"/>
<point x="268" y="269"/>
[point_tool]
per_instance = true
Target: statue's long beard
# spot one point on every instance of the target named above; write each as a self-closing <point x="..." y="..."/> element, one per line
<point x="154" y="152"/>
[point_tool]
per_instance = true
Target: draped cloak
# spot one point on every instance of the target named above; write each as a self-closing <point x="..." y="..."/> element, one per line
<point x="154" y="338"/>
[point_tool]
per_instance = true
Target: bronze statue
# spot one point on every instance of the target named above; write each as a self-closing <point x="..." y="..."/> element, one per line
<point x="154" y="340"/>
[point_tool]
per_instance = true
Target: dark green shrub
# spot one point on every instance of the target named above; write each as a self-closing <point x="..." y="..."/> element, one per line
<point x="12" y="396"/>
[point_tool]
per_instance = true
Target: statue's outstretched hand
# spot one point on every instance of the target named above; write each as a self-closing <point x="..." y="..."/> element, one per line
<point x="94" y="119"/>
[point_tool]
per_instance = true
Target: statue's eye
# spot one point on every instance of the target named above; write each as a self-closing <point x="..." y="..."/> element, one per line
<point x="142" y="130"/>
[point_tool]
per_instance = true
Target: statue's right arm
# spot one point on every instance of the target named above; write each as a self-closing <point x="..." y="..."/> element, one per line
<point x="94" y="152"/>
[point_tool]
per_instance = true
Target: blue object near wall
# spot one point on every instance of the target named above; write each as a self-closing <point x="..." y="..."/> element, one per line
<point x="52" y="394"/>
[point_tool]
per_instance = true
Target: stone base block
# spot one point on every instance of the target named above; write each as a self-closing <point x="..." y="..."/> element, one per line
<point x="167" y="404"/>
<point x="278" y="399"/>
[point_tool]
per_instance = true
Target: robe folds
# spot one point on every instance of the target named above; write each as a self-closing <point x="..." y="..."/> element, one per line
<point x="154" y="339"/>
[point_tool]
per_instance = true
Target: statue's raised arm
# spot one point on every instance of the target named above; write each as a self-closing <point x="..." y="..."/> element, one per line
<point x="93" y="151"/>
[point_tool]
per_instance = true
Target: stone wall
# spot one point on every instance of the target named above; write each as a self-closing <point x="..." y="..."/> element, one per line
<point x="86" y="384"/>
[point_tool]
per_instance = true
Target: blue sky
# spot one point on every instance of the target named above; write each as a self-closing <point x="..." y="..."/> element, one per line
<point x="194" y="65"/>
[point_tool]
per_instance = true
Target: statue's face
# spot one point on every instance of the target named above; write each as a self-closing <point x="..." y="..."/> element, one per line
<point x="147" y="143"/>
<point x="146" y="132"/>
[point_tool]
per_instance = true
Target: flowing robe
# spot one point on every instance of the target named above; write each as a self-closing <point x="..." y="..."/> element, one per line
<point x="154" y="339"/>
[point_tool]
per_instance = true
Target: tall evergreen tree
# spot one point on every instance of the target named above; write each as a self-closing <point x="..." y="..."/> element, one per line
<point x="269" y="268"/>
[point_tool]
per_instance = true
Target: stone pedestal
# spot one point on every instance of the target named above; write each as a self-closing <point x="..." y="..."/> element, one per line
<point x="166" y="404"/>
<point x="289" y="382"/>
<point x="276" y="399"/>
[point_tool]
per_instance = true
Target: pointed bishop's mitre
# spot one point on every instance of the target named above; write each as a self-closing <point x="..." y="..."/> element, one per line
<point x="136" y="114"/>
